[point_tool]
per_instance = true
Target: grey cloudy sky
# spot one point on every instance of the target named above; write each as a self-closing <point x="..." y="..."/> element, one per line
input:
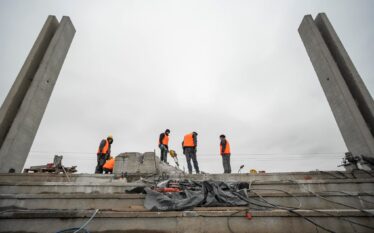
<point x="136" y="68"/>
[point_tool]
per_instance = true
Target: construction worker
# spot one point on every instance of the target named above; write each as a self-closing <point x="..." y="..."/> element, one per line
<point x="109" y="165"/>
<point x="103" y="153"/>
<point x="163" y="144"/>
<point x="189" y="145"/>
<point x="225" y="152"/>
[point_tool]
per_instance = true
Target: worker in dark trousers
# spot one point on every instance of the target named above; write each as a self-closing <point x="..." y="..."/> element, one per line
<point x="189" y="145"/>
<point x="225" y="153"/>
<point x="163" y="144"/>
<point x="103" y="153"/>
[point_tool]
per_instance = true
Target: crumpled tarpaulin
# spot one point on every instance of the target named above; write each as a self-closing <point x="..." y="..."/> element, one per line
<point x="198" y="194"/>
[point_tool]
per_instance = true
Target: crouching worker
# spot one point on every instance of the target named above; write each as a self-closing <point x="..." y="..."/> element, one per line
<point x="109" y="165"/>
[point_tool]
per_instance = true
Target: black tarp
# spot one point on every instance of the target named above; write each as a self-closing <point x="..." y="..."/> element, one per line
<point x="198" y="194"/>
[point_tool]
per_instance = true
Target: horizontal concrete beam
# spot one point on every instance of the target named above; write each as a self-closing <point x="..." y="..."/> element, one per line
<point x="127" y="202"/>
<point x="99" y="178"/>
<point x="185" y="221"/>
<point x="349" y="185"/>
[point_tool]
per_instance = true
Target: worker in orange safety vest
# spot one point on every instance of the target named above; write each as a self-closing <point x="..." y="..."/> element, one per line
<point x="109" y="165"/>
<point x="225" y="152"/>
<point x="103" y="153"/>
<point x="163" y="144"/>
<point x="189" y="145"/>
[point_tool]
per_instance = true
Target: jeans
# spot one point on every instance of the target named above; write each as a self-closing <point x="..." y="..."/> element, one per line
<point x="191" y="154"/>
<point x="164" y="153"/>
<point x="226" y="163"/>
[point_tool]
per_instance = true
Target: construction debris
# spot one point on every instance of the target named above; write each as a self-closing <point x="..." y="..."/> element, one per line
<point x="55" y="167"/>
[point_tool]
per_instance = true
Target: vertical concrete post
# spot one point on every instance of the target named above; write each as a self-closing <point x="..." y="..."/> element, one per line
<point x="23" y="108"/>
<point x="341" y="83"/>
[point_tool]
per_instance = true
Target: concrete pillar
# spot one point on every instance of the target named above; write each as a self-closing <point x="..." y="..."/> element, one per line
<point x="343" y="87"/>
<point x="349" y="72"/>
<point x="25" y="104"/>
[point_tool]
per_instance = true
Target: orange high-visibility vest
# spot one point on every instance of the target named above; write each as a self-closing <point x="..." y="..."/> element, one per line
<point x="105" y="148"/>
<point x="227" y="149"/>
<point x="188" y="140"/>
<point x="109" y="164"/>
<point x="165" y="140"/>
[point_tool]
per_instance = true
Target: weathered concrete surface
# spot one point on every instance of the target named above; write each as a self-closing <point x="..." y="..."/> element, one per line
<point x="135" y="202"/>
<point x="184" y="221"/>
<point x="43" y="67"/>
<point x="280" y="176"/>
<point x="245" y="177"/>
<point x="349" y="185"/>
<point x="50" y="177"/>
<point x="70" y="204"/>
<point x="135" y="165"/>
<point x="23" y="81"/>
<point x="349" y="72"/>
<point x="338" y="77"/>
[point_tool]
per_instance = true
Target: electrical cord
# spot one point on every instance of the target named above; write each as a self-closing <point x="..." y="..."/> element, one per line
<point x="352" y="195"/>
<point x="338" y="203"/>
<point x="343" y="176"/>
<point x="76" y="230"/>
<point x="355" y="170"/>
<point x="292" y="210"/>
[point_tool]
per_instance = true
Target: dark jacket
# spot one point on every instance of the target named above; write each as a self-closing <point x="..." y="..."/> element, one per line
<point x="102" y="144"/>
<point x="223" y="144"/>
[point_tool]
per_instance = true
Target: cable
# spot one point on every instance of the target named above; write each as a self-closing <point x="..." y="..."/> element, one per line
<point x="342" y="204"/>
<point x="358" y="196"/>
<point x="89" y="220"/>
<point x="367" y="172"/>
<point x="76" y="230"/>
<point x="72" y="229"/>
<point x="292" y="210"/>
<point x="333" y="175"/>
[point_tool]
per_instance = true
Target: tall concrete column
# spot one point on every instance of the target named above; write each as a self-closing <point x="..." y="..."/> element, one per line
<point x="348" y="97"/>
<point x="25" y="104"/>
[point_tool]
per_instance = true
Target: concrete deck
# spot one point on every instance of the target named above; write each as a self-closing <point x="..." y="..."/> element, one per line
<point x="48" y="203"/>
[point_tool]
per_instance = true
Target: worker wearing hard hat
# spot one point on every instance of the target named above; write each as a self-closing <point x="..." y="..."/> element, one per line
<point x="163" y="144"/>
<point x="103" y="153"/>
<point x="189" y="145"/>
<point x="225" y="152"/>
<point x="109" y="165"/>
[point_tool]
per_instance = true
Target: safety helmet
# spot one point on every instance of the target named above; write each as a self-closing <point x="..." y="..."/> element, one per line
<point x="110" y="137"/>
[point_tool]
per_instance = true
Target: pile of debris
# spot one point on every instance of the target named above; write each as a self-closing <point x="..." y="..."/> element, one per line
<point x="55" y="167"/>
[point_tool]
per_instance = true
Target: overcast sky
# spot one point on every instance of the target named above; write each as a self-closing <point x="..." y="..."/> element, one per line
<point x="239" y="68"/>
